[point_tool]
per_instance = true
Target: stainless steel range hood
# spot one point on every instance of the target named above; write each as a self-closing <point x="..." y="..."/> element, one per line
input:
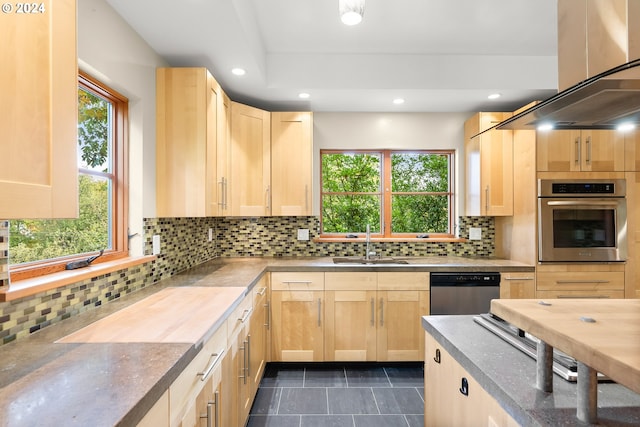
<point x="603" y="101"/>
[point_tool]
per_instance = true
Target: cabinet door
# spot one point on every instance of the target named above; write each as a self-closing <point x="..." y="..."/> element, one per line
<point x="350" y="330"/>
<point x="223" y="150"/>
<point x="291" y="163"/>
<point x="186" y="133"/>
<point x="400" y="333"/>
<point x="249" y="187"/>
<point x="488" y="166"/>
<point x="632" y="150"/>
<point x="518" y="285"/>
<point x="602" y="151"/>
<point x="243" y="374"/>
<point x="258" y="333"/>
<point x="496" y="172"/>
<point x="587" y="151"/>
<point x="39" y="113"/>
<point x="558" y="150"/>
<point x="297" y="326"/>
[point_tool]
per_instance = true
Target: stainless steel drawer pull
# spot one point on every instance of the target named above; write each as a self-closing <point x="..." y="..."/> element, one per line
<point x="585" y="296"/>
<point x="261" y="291"/>
<point x="517" y="278"/>
<point x="373" y="309"/>
<point x="245" y="315"/>
<point x="564" y="282"/>
<point x="297" y="282"/>
<point x="209" y="414"/>
<point x="381" y="311"/>
<point x="205" y="374"/>
<point x="319" y="311"/>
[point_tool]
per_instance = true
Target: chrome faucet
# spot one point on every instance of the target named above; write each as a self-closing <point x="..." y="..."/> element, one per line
<point x="368" y="240"/>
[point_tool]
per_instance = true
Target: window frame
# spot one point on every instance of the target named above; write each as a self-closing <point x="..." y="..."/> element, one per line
<point x="386" y="193"/>
<point x="119" y="190"/>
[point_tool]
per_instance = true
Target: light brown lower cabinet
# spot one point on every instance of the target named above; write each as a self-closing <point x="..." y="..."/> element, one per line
<point x="452" y="397"/>
<point x="580" y="281"/>
<point x="297" y="320"/>
<point x="518" y="284"/>
<point x="348" y="316"/>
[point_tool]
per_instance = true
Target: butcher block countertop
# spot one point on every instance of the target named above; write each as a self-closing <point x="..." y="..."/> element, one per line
<point x="80" y="372"/>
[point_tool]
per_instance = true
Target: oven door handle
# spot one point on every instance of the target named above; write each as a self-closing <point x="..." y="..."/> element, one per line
<point x="581" y="203"/>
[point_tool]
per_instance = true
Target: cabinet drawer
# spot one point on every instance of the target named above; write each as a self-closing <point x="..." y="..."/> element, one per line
<point x="580" y="280"/>
<point x="352" y="281"/>
<point x="240" y="316"/>
<point x="408" y="281"/>
<point x="192" y="379"/>
<point x="297" y="281"/>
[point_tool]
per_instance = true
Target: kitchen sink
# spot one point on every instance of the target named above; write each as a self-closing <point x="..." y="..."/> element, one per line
<point x="371" y="260"/>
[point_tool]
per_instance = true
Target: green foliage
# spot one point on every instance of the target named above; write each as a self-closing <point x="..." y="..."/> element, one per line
<point x="36" y="240"/>
<point x="351" y="173"/>
<point x="352" y="197"/>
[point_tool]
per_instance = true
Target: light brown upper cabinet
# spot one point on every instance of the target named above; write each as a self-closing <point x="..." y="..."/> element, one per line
<point x="575" y="150"/>
<point x="632" y="150"/>
<point x="291" y="163"/>
<point x="188" y="124"/>
<point x="250" y="184"/>
<point x="39" y="113"/>
<point x="488" y="166"/>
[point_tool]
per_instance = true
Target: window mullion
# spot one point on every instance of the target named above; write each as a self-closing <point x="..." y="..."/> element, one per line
<point x="386" y="190"/>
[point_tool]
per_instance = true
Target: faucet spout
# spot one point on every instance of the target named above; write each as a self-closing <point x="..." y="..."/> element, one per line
<point x="368" y="240"/>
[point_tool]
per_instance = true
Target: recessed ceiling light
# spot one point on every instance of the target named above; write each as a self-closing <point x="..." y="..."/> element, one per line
<point x="494" y="96"/>
<point x="398" y="101"/>
<point x="239" y="71"/>
<point x="545" y="127"/>
<point x="626" y="127"/>
<point x="303" y="95"/>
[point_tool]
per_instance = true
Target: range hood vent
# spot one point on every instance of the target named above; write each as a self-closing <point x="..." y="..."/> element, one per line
<point x="603" y="101"/>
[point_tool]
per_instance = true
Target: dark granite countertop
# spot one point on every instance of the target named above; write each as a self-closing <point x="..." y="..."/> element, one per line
<point x="47" y="383"/>
<point x="510" y="377"/>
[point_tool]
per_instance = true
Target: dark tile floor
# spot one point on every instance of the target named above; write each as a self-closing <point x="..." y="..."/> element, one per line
<point x="340" y="395"/>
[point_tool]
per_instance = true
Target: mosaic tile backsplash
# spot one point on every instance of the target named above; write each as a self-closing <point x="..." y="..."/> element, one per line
<point x="184" y="243"/>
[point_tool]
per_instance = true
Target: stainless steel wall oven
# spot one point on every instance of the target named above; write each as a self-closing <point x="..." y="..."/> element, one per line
<point x="582" y="220"/>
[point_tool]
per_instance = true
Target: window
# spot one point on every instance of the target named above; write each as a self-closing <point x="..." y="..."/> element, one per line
<point x="417" y="197"/>
<point x="38" y="247"/>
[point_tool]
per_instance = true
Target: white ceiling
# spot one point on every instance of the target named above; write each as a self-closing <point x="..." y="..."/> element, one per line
<point x="439" y="55"/>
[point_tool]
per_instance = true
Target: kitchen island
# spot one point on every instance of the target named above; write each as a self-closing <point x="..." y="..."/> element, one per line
<point x="508" y="377"/>
<point x="44" y="381"/>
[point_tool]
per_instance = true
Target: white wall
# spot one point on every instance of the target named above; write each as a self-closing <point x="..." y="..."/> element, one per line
<point x="111" y="51"/>
<point x="391" y="131"/>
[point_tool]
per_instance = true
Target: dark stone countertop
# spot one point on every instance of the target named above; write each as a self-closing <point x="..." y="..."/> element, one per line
<point x="47" y="383"/>
<point x="510" y="377"/>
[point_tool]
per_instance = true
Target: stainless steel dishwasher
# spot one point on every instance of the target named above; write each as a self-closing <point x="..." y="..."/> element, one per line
<point x="463" y="293"/>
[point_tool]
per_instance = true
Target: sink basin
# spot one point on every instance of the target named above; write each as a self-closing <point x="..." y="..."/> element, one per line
<point x="372" y="260"/>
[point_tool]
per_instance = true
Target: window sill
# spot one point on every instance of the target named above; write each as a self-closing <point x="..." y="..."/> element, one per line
<point x="35" y="285"/>
<point x="389" y="239"/>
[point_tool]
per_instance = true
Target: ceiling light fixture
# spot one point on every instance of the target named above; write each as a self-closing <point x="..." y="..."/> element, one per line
<point x="398" y="101"/>
<point x="239" y="71"/>
<point x="303" y="95"/>
<point x="544" y="127"/>
<point x="494" y="96"/>
<point x="351" y="11"/>
<point x="626" y="127"/>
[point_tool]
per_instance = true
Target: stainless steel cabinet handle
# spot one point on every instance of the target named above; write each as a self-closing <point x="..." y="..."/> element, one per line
<point x="268" y="201"/>
<point x="248" y="356"/>
<point x="585" y="296"/>
<point x="590" y="203"/>
<point x="221" y="195"/>
<point x="486" y="199"/>
<point x="319" y="311"/>
<point x="381" y="311"/>
<point x="564" y="282"/>
<point x="297" y="282"/>
<point x="267" y="306"/>
<point x="244" y="363"/>
<point x="588" y="159"/>
<point x="577" y="146"/>
<point x="216" y="403"/>
<point x="517" y="278"/>
<point x="204" y="374"/>
<point x="245" y="315"/>
<point x="261" y="291"/>
<point x="373" y="309"/>
<point x="209" y="414"/>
